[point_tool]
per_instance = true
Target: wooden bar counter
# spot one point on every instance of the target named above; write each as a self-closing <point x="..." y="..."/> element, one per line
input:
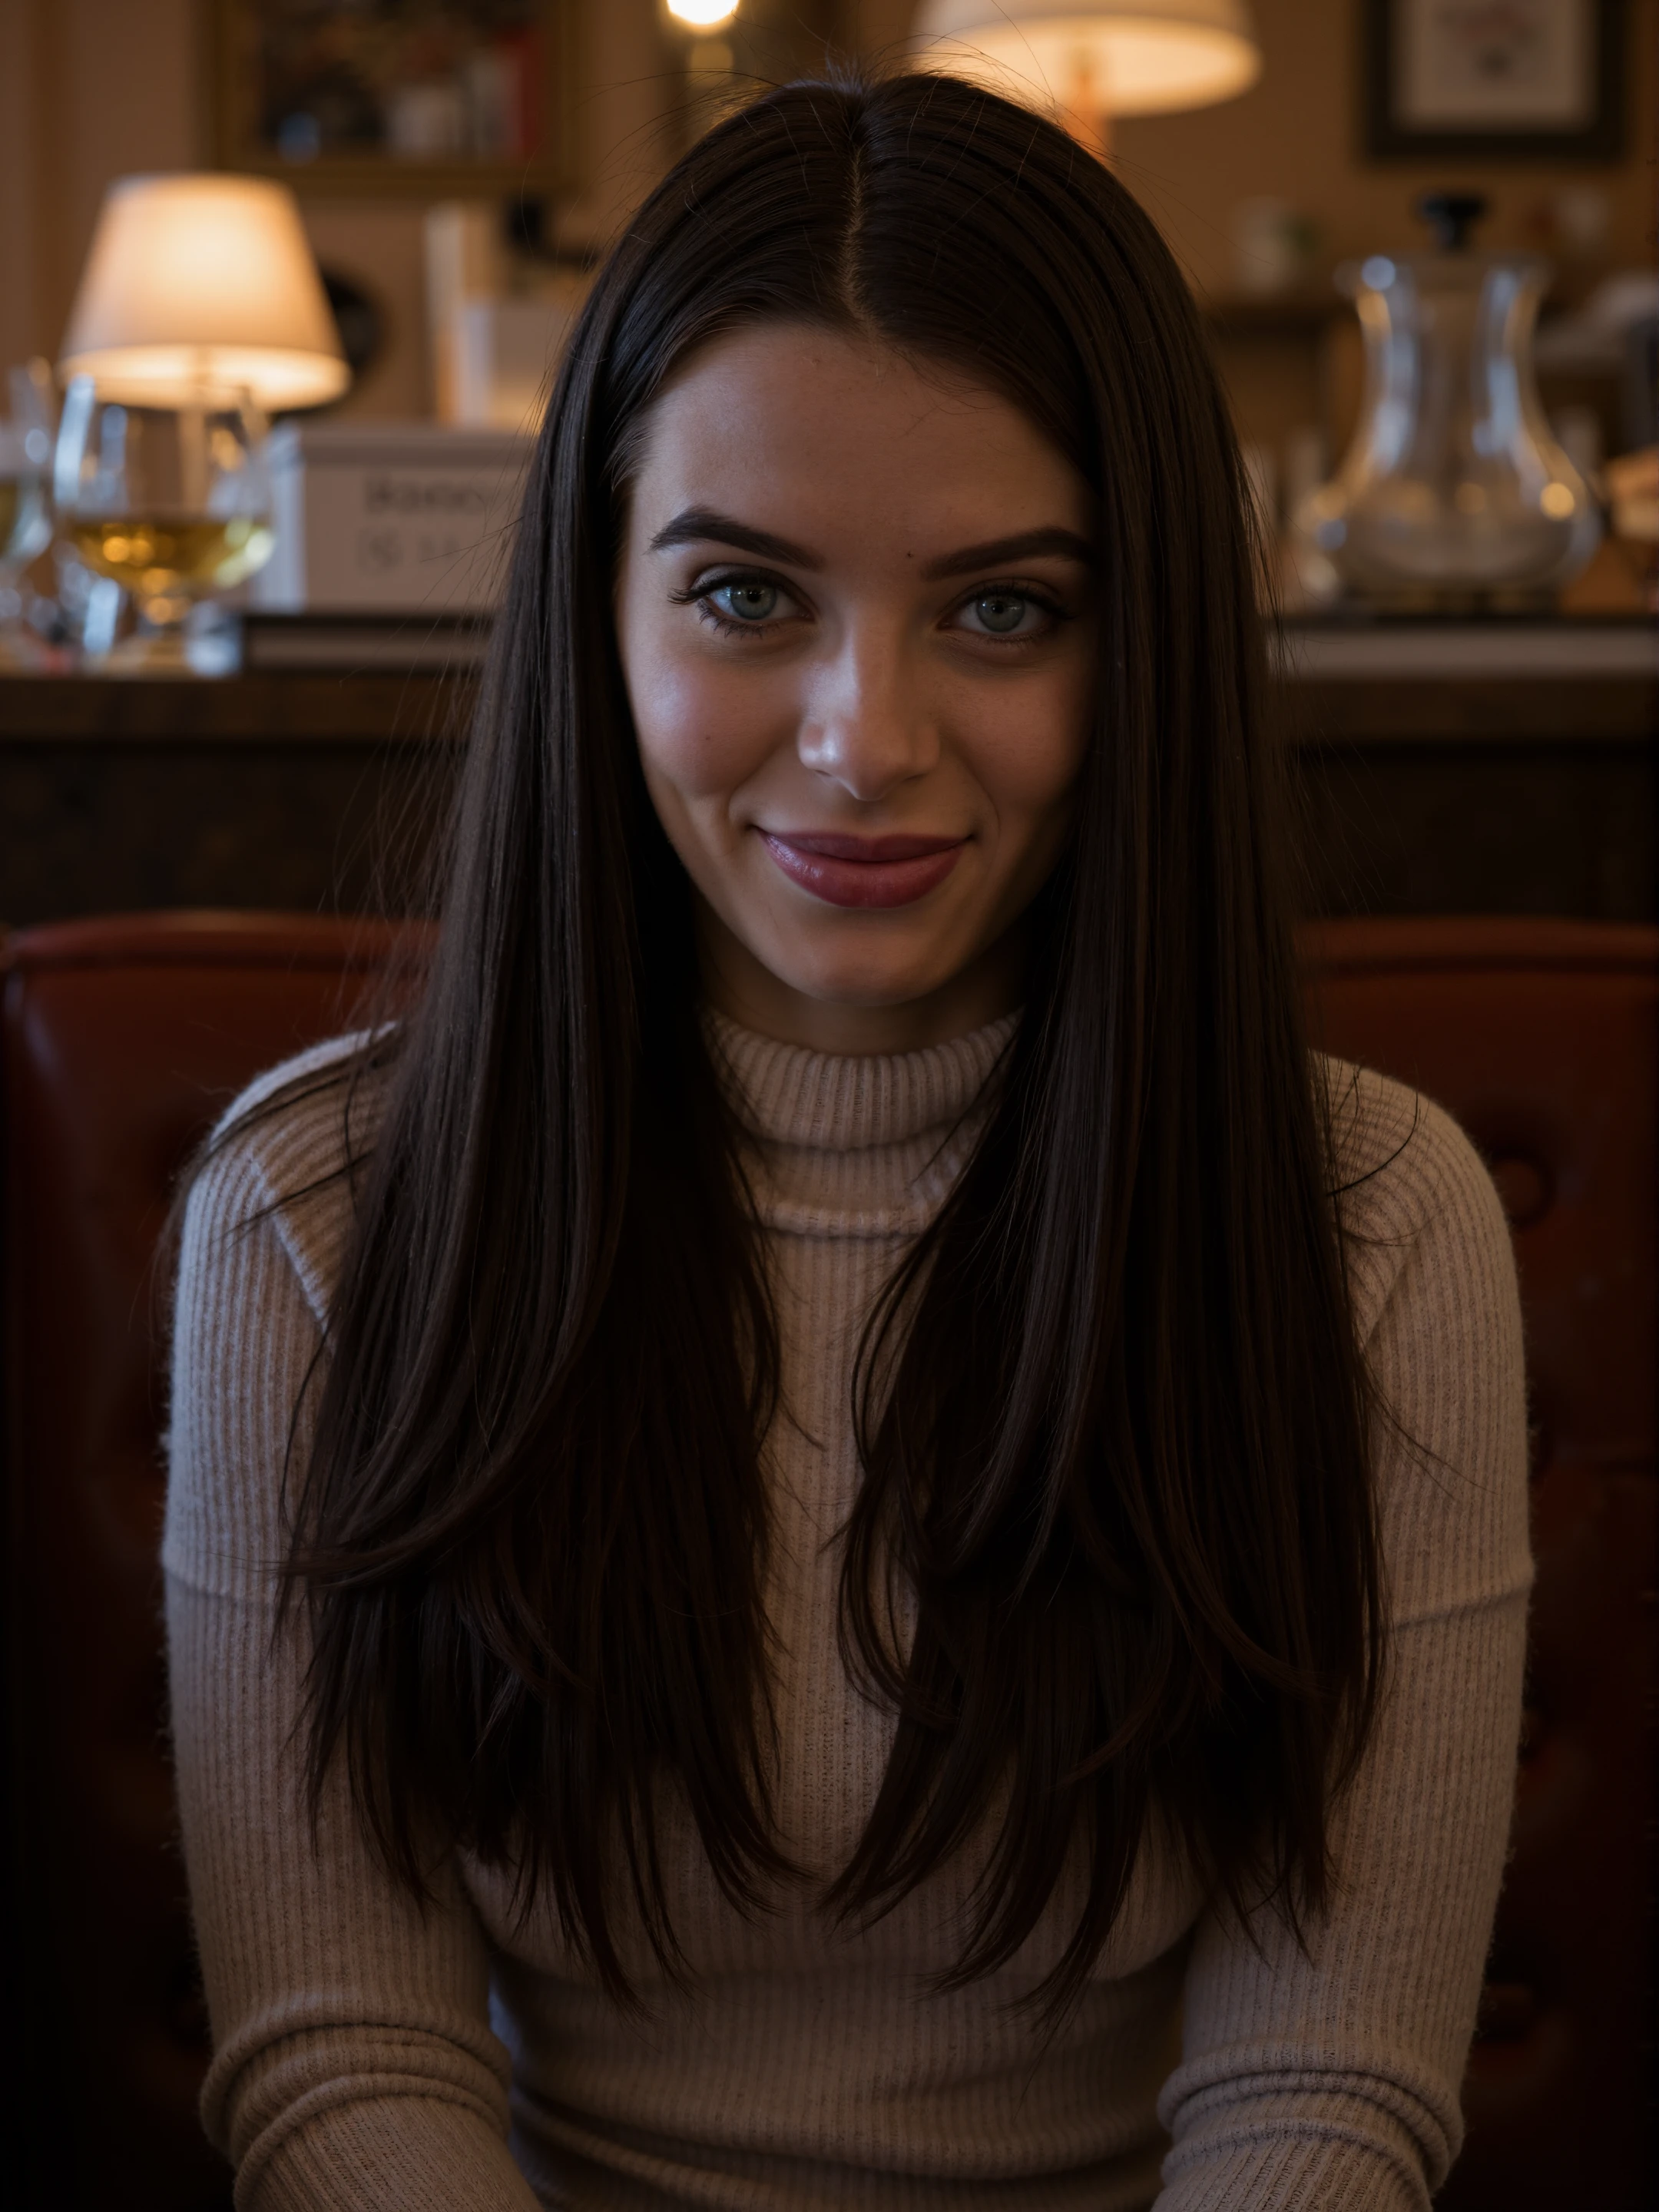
<point x="1497" y="768"/>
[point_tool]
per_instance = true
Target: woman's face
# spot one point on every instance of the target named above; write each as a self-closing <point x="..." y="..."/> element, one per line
<point x="855" y="618"/>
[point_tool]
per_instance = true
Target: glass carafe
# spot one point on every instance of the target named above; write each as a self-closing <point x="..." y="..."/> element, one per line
<point x="1455" y="490"/>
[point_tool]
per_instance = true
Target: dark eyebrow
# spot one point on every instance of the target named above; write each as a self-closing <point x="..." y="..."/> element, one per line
<point x="1000" y="552"/>
<point x="704" y="525"/>
<point x="695" y="525"/>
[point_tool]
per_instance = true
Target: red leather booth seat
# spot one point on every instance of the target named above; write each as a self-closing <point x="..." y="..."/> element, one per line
<point x="1543" y="1038"/>
<point x="123" y="1037"/>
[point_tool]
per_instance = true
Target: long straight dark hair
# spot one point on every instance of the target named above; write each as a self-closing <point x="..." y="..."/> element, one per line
<point x="1113" y="1421"/>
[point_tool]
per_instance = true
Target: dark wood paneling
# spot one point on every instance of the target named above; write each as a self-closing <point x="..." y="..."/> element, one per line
<point x="298" y="709"/>
<point x="1565" y="711"/>
<point x="322" y="792"/>
<point x="107" y="826"/>
<point x="1492" y="826"/>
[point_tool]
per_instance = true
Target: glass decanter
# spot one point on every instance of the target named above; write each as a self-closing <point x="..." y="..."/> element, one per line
<point x="1455" y="491"/>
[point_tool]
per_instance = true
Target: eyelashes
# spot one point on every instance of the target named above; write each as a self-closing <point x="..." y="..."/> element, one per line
<point x="757" y="619"/>
<point x="751" y="602"/>
<point x="752" y="598"/>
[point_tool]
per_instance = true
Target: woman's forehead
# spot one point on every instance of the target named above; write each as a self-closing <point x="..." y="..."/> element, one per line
<point x="852" y="434"/>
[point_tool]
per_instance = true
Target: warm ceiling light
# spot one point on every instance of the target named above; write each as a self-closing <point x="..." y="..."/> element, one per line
<point x="703" y="15"/>
<point x="202" y="283"/>
<point x="1111" y="57"/>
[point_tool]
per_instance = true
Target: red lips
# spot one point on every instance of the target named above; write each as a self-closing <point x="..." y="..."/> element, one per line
<point x="868" y="871"/>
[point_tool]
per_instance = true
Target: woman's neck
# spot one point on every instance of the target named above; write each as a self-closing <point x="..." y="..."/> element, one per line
<point x="744" y="990"/>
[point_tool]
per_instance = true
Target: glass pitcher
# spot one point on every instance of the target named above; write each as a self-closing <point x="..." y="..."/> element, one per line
<point x="1455" y="491"/>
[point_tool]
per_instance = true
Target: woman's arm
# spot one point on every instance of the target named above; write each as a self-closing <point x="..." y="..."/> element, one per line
<point x="354" y="2064"/>
<point x="1329" y="2078"/>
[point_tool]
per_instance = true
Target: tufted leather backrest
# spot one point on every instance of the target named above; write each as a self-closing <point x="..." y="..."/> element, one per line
<point x="123" y="1039"/>
<point x="1543" y="1037"/>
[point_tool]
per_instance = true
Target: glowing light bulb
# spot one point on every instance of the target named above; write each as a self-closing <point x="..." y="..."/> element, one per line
<point x="703" y="15"/>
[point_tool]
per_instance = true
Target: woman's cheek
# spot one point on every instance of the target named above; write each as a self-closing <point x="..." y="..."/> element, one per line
<point x="1026" y="747"/>
<point x="698" y="728"/>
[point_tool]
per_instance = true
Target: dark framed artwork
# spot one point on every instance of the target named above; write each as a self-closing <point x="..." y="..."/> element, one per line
<point x="422" y="98"/>
<point x="1493" y="80"/>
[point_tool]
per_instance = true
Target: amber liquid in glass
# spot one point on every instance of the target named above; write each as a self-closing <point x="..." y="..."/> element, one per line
<point x="162" y="555"/>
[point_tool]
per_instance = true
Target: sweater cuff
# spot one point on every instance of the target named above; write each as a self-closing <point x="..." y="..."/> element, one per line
<point x="1346" y="2156"/>
<point x="388" y="2153"/>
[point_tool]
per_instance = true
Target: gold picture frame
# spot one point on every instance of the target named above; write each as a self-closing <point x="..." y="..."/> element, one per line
<point x="405" y="138"/>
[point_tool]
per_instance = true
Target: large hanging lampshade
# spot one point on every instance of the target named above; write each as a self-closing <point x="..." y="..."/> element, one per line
<point x="1107" y="58"/>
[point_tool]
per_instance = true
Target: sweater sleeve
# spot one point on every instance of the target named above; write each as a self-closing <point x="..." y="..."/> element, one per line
<point x="354" y="2064"/>
<point x="1325" y="2079"/>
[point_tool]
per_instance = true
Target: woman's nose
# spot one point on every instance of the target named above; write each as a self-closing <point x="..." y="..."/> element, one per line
<point x="864" y="726"/>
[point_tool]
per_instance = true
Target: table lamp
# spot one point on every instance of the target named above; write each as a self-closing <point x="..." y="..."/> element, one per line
<point x="200" y="311"/>
<point x="1091" y="60"/>
<point x="198" y="282"/>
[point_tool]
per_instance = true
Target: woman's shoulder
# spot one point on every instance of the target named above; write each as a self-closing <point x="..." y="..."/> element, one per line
<point x="292" y="1148"/>
<point x="266" y="1227"/>
<point x="1437" y="1309"/>
<point x="1413" y="1196"/>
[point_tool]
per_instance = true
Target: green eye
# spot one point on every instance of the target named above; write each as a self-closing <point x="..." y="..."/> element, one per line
<point x="746" y="602"/>
<point x="1001" y="611"/>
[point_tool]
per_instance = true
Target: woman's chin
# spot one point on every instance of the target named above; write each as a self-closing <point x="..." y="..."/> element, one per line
<point x="862" y="984"/>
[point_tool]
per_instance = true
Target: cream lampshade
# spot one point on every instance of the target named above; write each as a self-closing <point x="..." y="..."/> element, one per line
<point x="202" y="283"/>
<point x="1098" y="58"/>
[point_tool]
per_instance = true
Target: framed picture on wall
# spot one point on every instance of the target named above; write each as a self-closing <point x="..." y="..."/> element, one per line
<point x="446" y="98"/>
<point x="1495" y="80"/>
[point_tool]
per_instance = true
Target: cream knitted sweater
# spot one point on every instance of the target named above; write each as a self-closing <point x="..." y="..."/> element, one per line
<point x="370" y="2055"/>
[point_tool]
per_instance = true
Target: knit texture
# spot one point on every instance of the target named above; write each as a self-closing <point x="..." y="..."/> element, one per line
<point x="370" y="2054"/>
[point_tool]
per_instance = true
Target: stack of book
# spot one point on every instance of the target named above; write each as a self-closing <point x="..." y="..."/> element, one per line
<point x="392" y="541"/>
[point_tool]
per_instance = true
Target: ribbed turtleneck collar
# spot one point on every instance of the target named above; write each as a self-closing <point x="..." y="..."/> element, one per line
<point x="857" y="1146"/>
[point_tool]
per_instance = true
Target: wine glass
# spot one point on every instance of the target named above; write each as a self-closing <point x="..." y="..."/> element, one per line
<point x="174" y="502"/>
<point x="25" y="519"/>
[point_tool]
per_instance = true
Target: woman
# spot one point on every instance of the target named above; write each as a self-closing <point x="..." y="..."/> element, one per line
<point x="838" y="1532"/>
